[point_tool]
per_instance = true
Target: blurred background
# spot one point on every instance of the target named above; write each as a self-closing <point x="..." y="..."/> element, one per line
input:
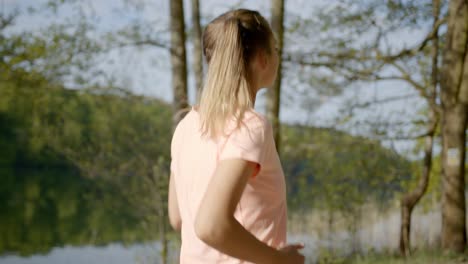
<point x="369" y="113"/>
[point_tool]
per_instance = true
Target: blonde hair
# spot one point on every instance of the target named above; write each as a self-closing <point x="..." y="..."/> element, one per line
<point x="230" y="42"/>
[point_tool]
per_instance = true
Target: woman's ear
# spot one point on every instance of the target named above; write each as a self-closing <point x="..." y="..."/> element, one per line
<point x="262" y="59"/>
<point x="259" y="62"/>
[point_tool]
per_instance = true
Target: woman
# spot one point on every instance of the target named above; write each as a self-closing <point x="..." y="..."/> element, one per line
<point x="227" y="189"/>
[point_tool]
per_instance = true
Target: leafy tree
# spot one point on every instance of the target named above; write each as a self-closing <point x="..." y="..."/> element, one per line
<point x="355" y="44"/>
<point x="410" y="199"/>
<point x="330" y="170"/>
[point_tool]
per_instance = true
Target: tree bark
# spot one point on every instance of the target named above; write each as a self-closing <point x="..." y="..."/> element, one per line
<point x="160" y="183"/>
<point x="273" y="94"/>
<point x="178" y="59"/>
<point x="197" y="47"/>
<point x="163" y="229"/>
<point x="454" y="99"/>
<point x="410" y="200"/>
<point x="453" y="181"/>
<point x="330" y="222"/>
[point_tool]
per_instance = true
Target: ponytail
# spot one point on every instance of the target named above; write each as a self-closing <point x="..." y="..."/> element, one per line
<point x="228" y="47"/>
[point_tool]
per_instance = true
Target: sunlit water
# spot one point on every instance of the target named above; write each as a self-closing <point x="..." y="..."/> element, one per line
<point x="114" y="253"/>
<point x="383" y="235"/>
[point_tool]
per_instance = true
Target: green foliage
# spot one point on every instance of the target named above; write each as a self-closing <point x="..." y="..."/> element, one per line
<point x="74" y="164"/>
<point x="90" y="166"/>
<point x="327" y="256"/>
<point x="86" y="182"/>
<point x="331" y="170"/>
<point x="120" y="144"/>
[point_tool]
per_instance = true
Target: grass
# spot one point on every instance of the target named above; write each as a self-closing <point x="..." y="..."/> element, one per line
<point x="423" y="257"/>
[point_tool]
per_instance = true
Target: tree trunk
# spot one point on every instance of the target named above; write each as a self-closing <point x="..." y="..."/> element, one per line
<point x="453" y="182"/>
<point x="178" y="60"/>
<point x="161" y="185"/>
<point x="163" y="233"/>
<point x="330" y="222"/>
<point x="454" y="98"/>
<point x="273" y="94"/>
<point x="412" y="198"/>
<point x="197" y="47"/>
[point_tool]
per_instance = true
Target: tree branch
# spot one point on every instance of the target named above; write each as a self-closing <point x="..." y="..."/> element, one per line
<point x="409" y="52"/>
<point x="146" y="42"/>
<point x="403" y="137"/>
<point x="384" y="100"/>
<point x="7" y="20"/>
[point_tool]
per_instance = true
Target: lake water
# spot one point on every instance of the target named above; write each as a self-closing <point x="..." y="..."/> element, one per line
<point x="117" y="254"/>
<point x="382" y="235"/>
<point x="113" y="253"/>
<point x="39" y="214"/>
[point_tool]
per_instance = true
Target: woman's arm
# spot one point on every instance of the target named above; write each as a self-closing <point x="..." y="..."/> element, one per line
<point x="173" y="206"/>
<point x="215" y="223"/>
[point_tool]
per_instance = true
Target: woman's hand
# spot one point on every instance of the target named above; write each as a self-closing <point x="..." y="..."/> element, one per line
<point x="290" y="254"/>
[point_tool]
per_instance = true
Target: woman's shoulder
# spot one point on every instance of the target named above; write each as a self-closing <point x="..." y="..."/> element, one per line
<point x="252" y="120"/>
<point x="255" y="117"/>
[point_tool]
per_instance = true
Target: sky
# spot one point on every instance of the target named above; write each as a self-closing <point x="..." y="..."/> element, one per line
<point x="146" y="70"/>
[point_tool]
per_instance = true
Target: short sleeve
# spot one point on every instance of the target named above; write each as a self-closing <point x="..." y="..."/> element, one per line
<point x="247" y="142"/>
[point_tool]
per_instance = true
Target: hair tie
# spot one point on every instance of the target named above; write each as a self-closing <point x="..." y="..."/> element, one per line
<point x="239" y="23"/>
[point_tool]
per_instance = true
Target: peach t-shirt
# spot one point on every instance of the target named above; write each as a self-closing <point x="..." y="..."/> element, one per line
<point x="262" y="208"/>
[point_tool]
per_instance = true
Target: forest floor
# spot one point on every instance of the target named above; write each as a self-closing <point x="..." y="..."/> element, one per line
<point x="426" y="257"/>
<point x="417" y="258"/>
